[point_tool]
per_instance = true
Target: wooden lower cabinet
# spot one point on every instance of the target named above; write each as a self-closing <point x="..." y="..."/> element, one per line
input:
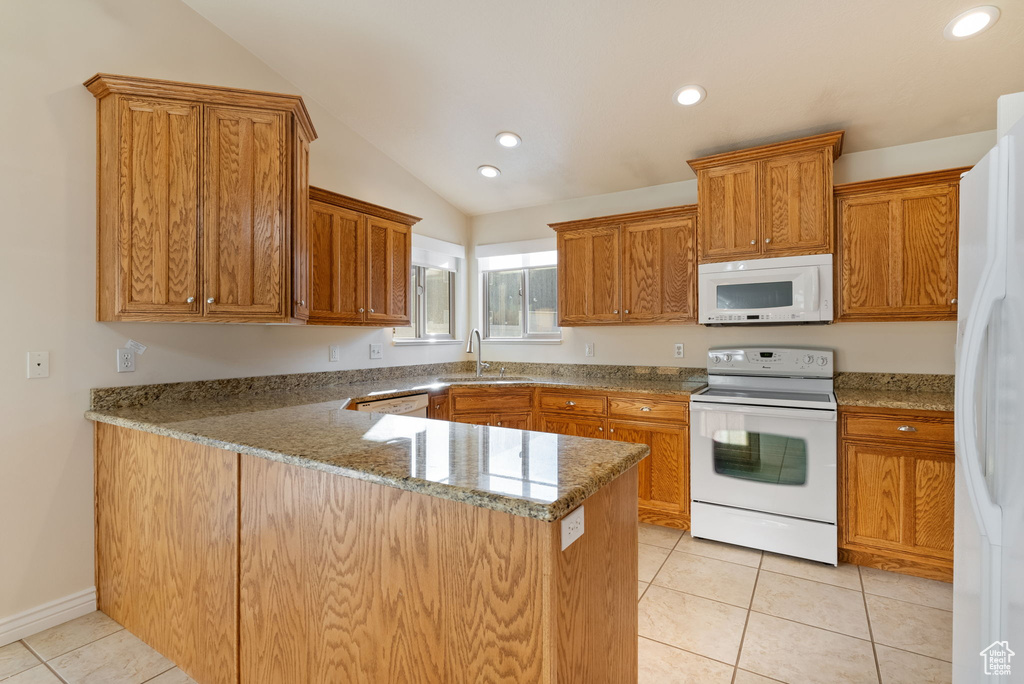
<point x="896" y="491"/>
<point x="438" y="408"/>
<point x="664" y="476"/>
<point x="573" y="426"/>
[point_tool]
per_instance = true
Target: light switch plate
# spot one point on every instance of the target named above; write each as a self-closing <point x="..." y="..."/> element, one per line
<point x="572" y="527"/>
<point x="680" y="350"/>
<point x="334" y="352"/>
<point x="38" y="365"/>
<point x="376" y="350"/>
<point x="125" y="360"/>
<point x="588" y="349"/>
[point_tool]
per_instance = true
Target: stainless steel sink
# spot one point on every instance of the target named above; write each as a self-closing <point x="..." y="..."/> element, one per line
<point x="485" y="378"/>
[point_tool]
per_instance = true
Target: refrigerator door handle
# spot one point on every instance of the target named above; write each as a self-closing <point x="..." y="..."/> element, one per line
<point x="991" y="291"/>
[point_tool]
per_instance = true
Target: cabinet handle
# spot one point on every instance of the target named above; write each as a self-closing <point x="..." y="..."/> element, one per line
<point x="361" y="309"/>
<point x="437" y="407"/>
<point x="190" y="300"/>
<point x="570" y="403"/>
<point x="767" y="240"/>
<point x="907" y="428"/>
<point x="952" y="301"/>
<point x="753" y="242"/>
<point x="210" y="300"/>
<point x="645" y="408"/>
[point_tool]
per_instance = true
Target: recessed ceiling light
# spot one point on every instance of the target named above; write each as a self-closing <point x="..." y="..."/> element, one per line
<point x="971" y="23"/>
<point x="690" y="95"/>
<point x="508" y="139"/>
<point x="488" y="171"/>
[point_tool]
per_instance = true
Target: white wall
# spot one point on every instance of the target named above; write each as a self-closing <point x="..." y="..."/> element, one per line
<point x="47" y="175"/>
<point x="926" y="347"/>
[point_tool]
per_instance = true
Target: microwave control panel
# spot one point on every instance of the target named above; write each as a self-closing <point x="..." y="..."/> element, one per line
<point x="771" y="361"/>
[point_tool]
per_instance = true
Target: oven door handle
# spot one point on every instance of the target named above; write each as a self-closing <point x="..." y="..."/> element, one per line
<point x="766" y="411"/>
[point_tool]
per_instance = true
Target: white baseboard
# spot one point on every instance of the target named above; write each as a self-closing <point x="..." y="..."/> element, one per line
<point x="47" y="615"/>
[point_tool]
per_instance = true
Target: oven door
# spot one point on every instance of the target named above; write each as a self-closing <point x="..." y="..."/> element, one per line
<point x="770" y="459"/>
<point x="763" y="295"/>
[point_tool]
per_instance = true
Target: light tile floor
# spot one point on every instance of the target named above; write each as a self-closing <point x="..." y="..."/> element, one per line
<point x="712" y="612"/>
<point x="709" y="613"/>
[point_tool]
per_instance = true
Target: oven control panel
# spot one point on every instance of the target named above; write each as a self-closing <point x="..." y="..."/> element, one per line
<point x="772" y="361"/>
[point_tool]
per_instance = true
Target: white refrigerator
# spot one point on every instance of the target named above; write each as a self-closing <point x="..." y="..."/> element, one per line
<point x="988" y="566"/>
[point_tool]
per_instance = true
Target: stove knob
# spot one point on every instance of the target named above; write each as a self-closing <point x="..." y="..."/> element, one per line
<point x="728" y="358"/>
<point x="809" y="359"/>
<point x="822" y="360"/>
<point x="716" y="359"/>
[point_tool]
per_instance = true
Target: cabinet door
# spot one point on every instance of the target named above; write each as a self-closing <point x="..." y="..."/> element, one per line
<point x="247" y="215"/>
<point x="728" y="201"/>
<point x="797" y="204"/>
<point x="337" y="264"/>
<point x="158" y="209"/>
<point x="389" y="264"/>
<point x="517" y="421"/>
<point x="438" y="408"/>
<point x="573" y="427"/>
<point x="659" y="270"/>
<point x="664" y="475"/>
<point x="896" y="498"/>
<point x="898" y="254"/>
<point x="589" y="273"/>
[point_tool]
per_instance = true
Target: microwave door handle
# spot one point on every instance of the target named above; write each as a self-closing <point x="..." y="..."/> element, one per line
<point x="824" y="416"/>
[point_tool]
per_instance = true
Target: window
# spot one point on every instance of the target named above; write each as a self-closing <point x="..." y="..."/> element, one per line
<point x="432" y="314"/>
<point x="521" y="303"/>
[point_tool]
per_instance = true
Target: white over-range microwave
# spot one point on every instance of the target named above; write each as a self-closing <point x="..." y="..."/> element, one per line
<point x="780" y="290"/>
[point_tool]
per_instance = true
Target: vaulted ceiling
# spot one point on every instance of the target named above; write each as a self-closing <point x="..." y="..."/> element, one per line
<point x="588" y="84"/>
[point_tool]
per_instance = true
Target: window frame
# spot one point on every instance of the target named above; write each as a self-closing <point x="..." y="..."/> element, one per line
<point x="418" y="309"/>
<point x="524" y="293"/>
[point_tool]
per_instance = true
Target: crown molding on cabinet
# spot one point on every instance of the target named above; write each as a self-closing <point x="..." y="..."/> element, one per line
<point x="911" y="180"/>
<point x="360" y="206"/>
<point x="833" y="139"/>
<point x="667" y="212"/>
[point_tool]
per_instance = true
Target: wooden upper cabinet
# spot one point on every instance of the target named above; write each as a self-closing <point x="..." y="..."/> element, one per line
<point x="196" y="195"/>
<point x="246" y="218"/>
<point x="769" y="201"/>
<point x="729" y="227"/>
<point x="627" y="269"/>
<point x="589" y="276"/>
<point x="659" y="271"/>
<point x="300" y="230"/>
<point x="389" y="264"/>
<point x="897" y="255"/>
<point x="158" y="210"/>
<point x="359" y="259"/>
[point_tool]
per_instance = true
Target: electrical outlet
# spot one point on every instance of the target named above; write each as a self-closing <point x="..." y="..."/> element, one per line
<point x="588" y="349"/>
<point x="38" y="365"/>
<point x="680" y="351"/>
<point x="376" y="350"/>
<point x="572" y="527"/>
<point x="334" y="352"/>
<point x="125" y="360"/>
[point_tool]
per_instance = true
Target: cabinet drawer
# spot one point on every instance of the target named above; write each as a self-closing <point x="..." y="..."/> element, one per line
<point x="911" y="429"/>
<point x="644" y="408"/>
<point x="566" y="402"/>
<point x="484" y="400"/>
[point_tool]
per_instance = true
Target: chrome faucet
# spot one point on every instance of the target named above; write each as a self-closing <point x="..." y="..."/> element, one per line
<point x="480" y="365"/>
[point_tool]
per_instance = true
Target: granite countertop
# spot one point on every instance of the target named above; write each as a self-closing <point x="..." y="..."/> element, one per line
<point x="895" y="399"/>
<point x="530" y="474"/>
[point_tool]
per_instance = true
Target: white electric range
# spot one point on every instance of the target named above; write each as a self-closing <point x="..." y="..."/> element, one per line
<point x="763" y="451"/>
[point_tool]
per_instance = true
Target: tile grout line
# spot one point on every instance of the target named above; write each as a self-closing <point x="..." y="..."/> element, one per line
<point x="159" y="674"/>
<point x="746" y="621"/>
<point x="871" y="633"/>
<point x="44" y="663"/>
<point x="686" y="650"/>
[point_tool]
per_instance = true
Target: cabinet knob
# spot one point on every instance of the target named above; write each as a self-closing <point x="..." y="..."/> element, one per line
<point x="907" y="428"/>
<point x="570" y="403"/>
<point x="437" y="407"/>
<point x="616" y="311"/>
<point x="371" y="310"/>
<point x="767" y="240"/>
<point x="361" y="309"/>
<point x="190" y="300"/>
<point x="499" y="423"/>
<point x="302" y="303"/>
<point x="210" y="300"/>
<point x="611" y="430"/>
<point x="645" y="408"/>
<point x="627" y="310"/>
<point x="600" y="429"/>
<point x="952" y="301"/>
<point x="753" y="242"/>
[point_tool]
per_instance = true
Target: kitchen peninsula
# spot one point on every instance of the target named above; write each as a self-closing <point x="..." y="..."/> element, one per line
<point x="278" y="537"/>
